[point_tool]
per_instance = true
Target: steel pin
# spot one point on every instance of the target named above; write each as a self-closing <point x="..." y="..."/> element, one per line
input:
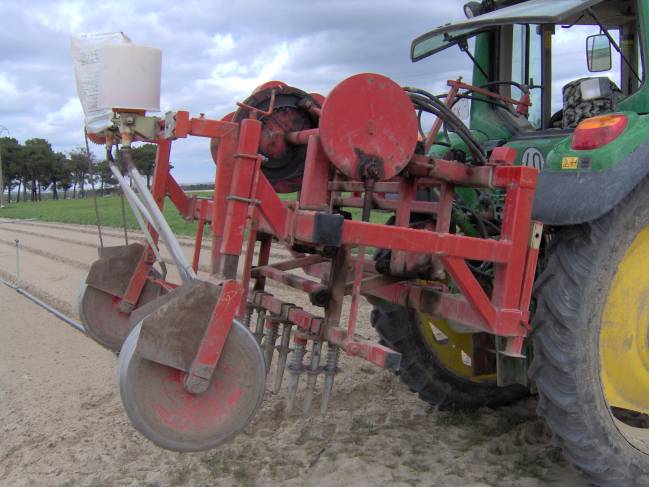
<point x="330" y="370"/>
<point x="282" y="356"/>
<point x="270" y="337"/>
<point x="294" y="371"/>
<point x="247" y="318"/>
<point x="312" y="376"/>
<point x="259" y="327"/>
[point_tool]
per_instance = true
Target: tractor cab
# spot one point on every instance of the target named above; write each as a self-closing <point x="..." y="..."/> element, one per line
<point x="570" y="61"/>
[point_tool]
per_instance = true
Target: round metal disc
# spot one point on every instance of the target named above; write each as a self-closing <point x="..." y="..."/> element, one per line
<point x="368" y="120"/>
<point x="284" y="163"/>
<point x="101" y="318"/>
<point x="162" y="410"/>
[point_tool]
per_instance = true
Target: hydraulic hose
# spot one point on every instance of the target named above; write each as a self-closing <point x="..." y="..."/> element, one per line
<point x="431" y="104"/>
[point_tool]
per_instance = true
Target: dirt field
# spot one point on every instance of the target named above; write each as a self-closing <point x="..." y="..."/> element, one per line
<point x="62" y="423"/>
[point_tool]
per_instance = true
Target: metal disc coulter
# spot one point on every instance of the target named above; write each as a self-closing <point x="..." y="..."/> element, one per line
<point x="162" y="409"/>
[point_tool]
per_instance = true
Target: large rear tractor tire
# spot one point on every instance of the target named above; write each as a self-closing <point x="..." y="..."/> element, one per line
<point x="438" y="370"/>
<point x="591" y="344"/>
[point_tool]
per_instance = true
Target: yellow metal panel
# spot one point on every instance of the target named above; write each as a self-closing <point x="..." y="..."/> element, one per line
<point x="624" y="334"/>
<point x="454" y="350"/>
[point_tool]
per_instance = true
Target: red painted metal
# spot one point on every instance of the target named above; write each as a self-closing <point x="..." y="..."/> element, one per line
<point x="211" y="346"/>
<point x="314" y="194"/>
<point x="357" y="347"/>
<point x="199" y="234"/>
<point x="301" y="136"/>
<point x="503" y="155"/>
<point x="180" y="199"/>
<point x="304" y="320"/>
<point x="432" y="134"/>
<point x="367" y="120"/>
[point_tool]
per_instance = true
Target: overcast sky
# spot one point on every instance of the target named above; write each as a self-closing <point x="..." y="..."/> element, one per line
<point x="214" y="53"/>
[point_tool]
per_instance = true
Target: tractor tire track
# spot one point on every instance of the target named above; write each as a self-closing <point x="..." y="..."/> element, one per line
<point x="202" y="268"/>
<point x="42" y="253"/>
<point x="184" y="240"/>
<point x="118" y="234"/>
<point x="60" y="305"/>
<point x="58" y="239"/>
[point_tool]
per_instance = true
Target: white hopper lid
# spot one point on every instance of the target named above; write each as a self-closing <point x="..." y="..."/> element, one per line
<point x="129" y="77"/>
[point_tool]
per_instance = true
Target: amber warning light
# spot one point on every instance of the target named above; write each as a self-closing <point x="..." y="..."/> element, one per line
<point x="598" y="131"/>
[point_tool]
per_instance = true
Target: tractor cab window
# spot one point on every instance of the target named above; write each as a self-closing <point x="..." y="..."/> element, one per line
<point x="526" y="66"/>
<point x="577" y="54"/>
<point x="558" y="51"/>
<point x="573" y="71"/>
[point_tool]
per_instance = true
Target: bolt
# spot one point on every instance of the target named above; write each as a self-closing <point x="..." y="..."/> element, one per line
<point x="195" y="384"/>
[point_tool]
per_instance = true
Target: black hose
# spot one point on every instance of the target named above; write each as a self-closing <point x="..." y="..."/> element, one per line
<point x="456" y="124"/>
<point x="431" y="103"/>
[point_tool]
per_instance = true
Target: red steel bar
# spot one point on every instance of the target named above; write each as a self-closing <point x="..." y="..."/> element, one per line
<point x="301" y="137"/>
<point x="379" y="203"/>
<point x="291" y="280"/>
<point x="224" y="169"/>
<point x="199" y="234"/>
<point x="216" y="333"/>
<point x="315" y="194"/>
<point x="430" y="137"/>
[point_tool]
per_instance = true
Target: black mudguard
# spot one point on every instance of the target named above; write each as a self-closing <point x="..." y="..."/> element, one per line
<point x="571" y="198"/>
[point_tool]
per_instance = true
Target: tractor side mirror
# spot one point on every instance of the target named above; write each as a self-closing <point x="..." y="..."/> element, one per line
<point x="598" y="53"/>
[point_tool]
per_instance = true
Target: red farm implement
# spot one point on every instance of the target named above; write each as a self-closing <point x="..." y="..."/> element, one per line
<point x="193" y="367"/>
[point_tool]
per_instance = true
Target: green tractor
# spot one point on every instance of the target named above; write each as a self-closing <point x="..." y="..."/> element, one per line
<point x="588" y="353"/>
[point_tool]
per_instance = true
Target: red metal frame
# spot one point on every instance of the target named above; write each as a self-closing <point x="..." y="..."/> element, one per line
<point x="244" y="198"/>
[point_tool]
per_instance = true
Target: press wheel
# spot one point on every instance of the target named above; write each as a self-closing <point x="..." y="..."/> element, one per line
<point x="172" y="418"/>
<point x="101" y="318"/>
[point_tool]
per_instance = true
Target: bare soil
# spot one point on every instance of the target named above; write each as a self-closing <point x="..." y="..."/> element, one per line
<point x="62" y="423"/>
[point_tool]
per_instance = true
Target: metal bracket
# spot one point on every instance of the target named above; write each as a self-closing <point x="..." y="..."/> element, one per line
<point x="209" y="350"/>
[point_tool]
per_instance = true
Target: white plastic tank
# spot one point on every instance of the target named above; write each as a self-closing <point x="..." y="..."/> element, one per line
<point x="129" y="77"/>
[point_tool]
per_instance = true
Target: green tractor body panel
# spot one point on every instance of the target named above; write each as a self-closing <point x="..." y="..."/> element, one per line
<point x="575" y="186"/>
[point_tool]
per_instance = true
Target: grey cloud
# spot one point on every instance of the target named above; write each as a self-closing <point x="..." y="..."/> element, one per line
<point x="327" y="41"/>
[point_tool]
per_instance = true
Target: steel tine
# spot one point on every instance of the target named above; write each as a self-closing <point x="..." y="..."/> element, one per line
<point x="282" y="356"/>
<point x="270" y="337"/>
<point x="259" y="327"/>
<point x="294" y="371"/>
<point x="312" y="376"/>
<point x="247" y="318"/>
<point x="330" y="369"/>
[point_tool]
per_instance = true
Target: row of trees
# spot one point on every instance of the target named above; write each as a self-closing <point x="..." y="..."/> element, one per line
<point x="34" y="167"/>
